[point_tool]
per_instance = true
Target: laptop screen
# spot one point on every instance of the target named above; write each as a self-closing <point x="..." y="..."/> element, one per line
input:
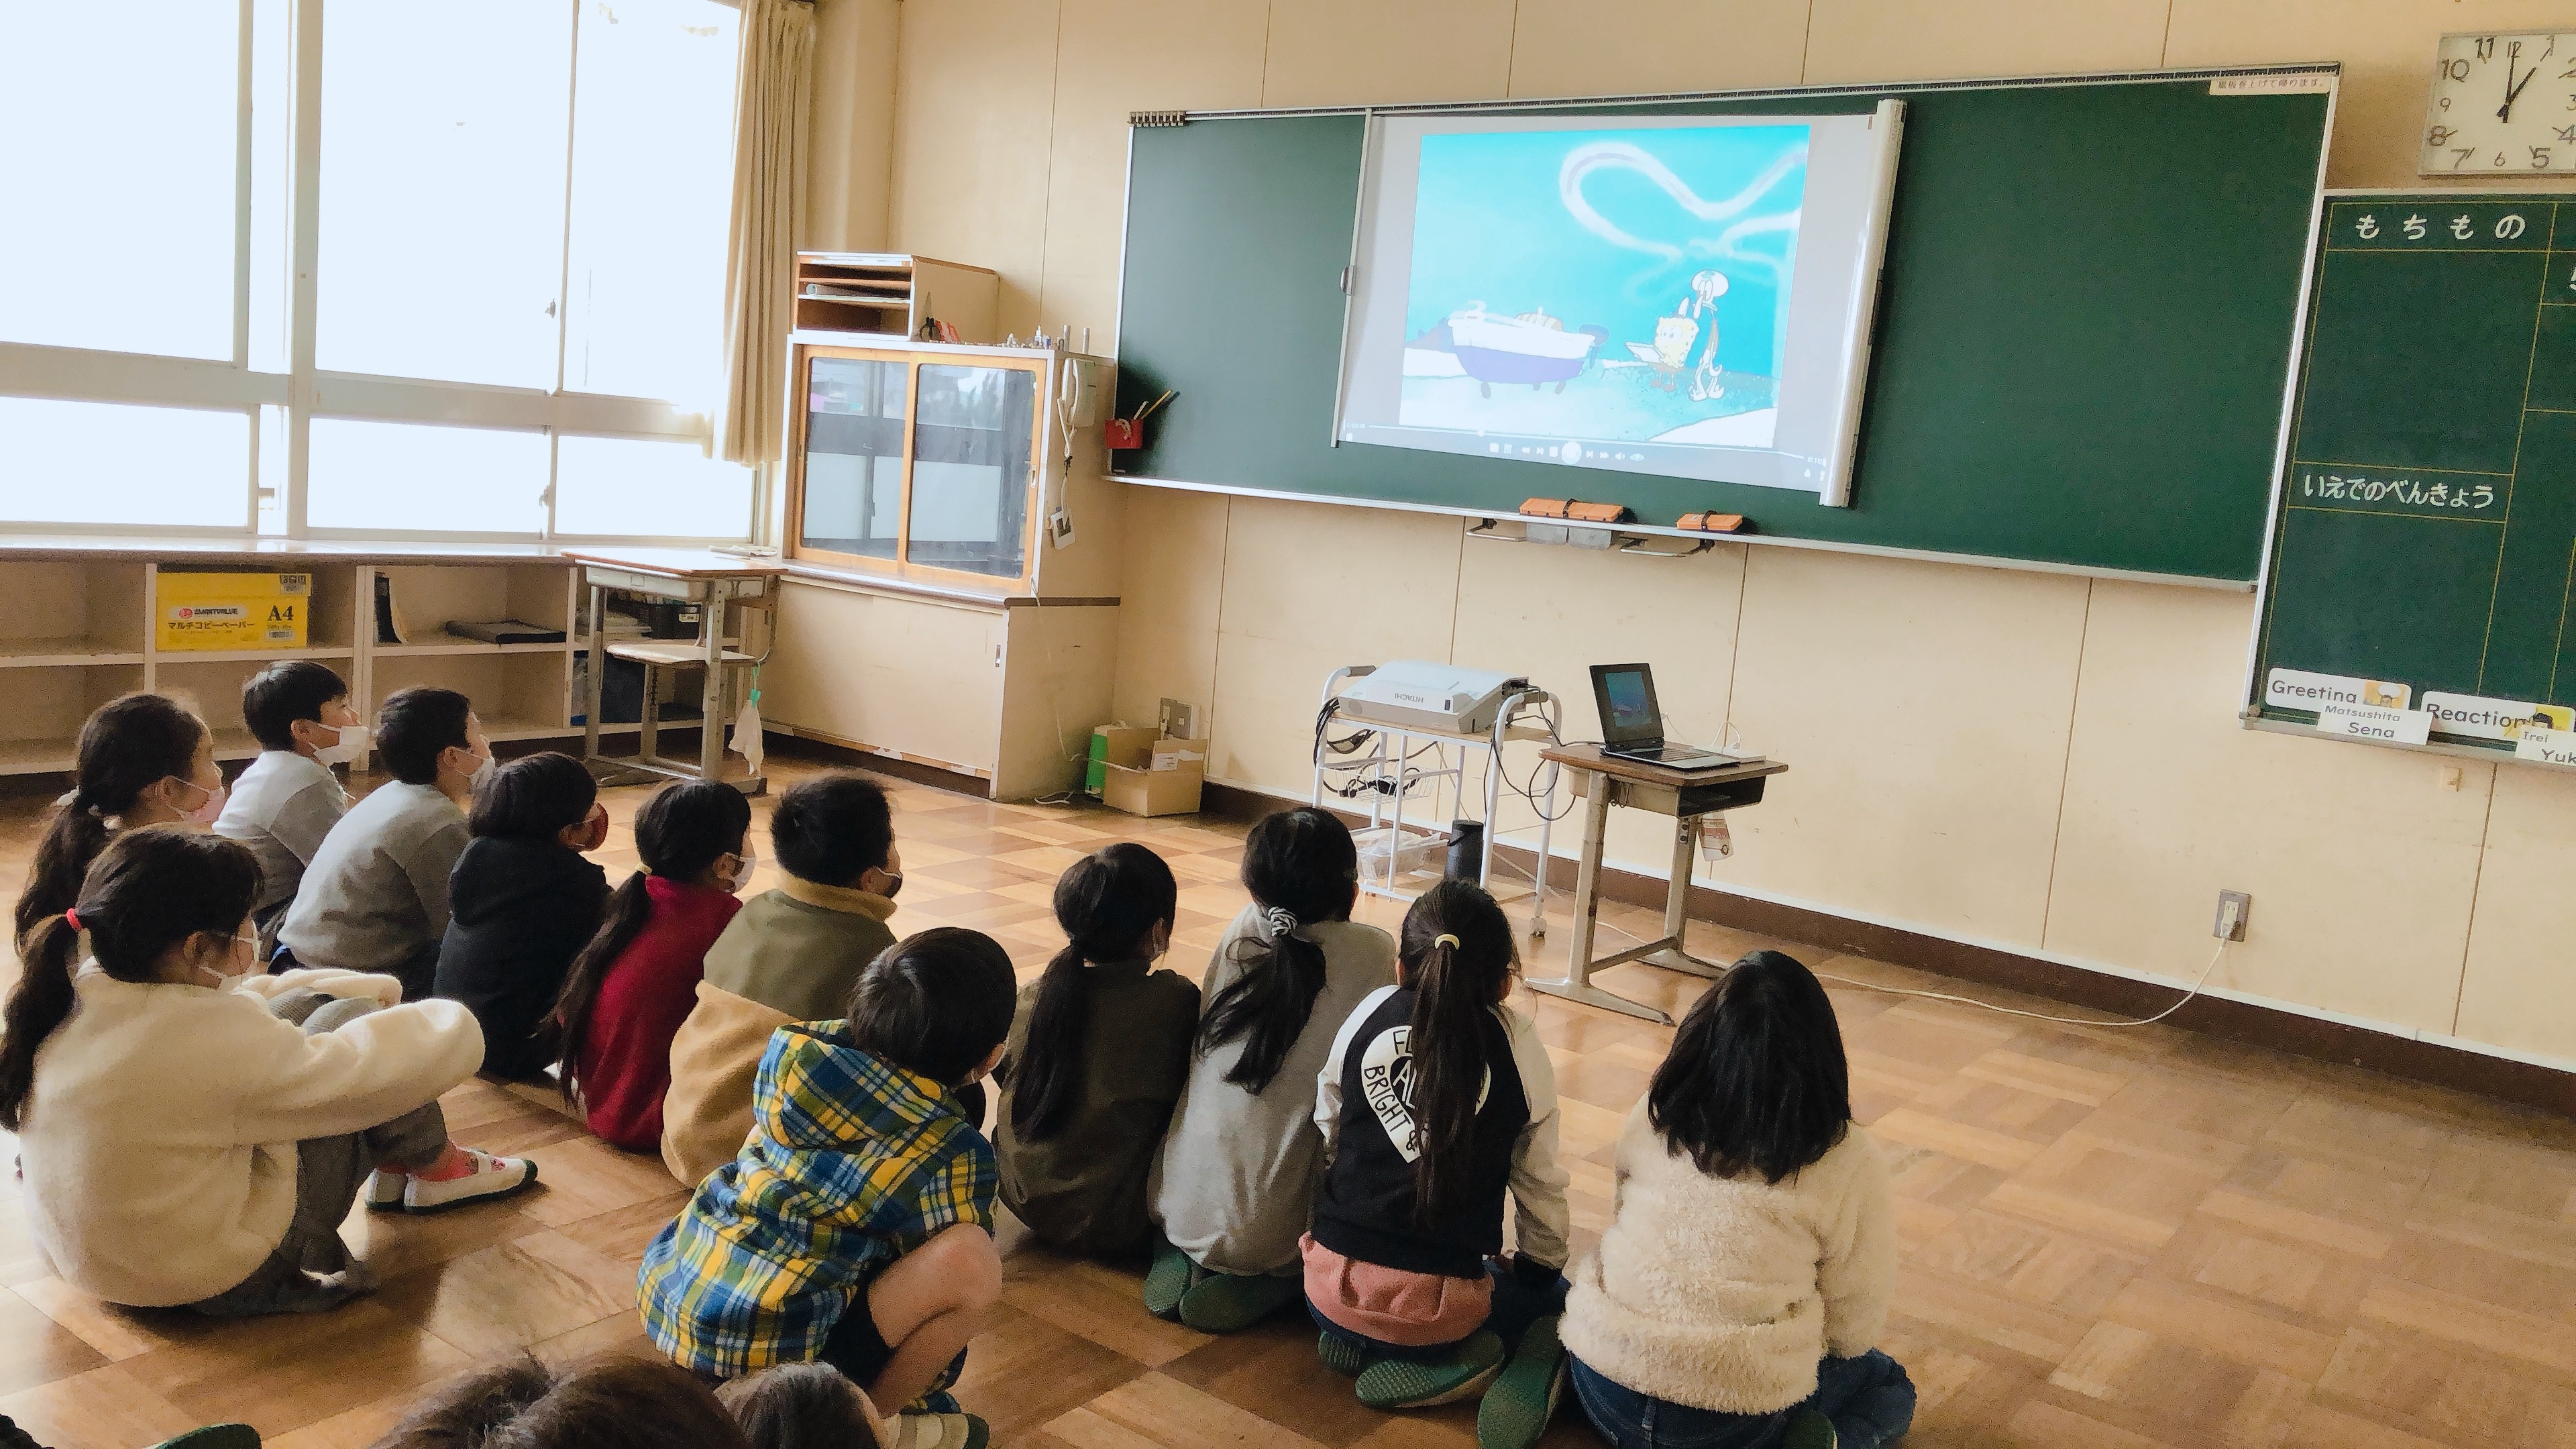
<point x="1626" y="695"/>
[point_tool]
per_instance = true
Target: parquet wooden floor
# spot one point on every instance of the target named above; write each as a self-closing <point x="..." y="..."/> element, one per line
<point x="2112" y="1238"/>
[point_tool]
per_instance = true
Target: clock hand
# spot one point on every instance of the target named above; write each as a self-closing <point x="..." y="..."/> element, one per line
<point x="2514" y="93"/>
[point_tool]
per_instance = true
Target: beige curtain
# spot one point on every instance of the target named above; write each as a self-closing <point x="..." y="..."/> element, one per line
<point x="773" y="97"/>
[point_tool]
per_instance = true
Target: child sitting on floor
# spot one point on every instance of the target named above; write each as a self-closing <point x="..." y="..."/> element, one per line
<point x="522" y="902"/>
<point x="193" y="1135"/>
<point x="631" y="987"/>
<point x="375" y="896"/>
<point x="287" y="800"/>
<point x="1098" y="1054"/>
<point x="1736" y="1298"/>
<point x="1435" y="1099"/>
<point x="790" y="954"/>
<point x="144" y="759"/>
<point x="854" y="1227"/>
<point x="1236" y="1182"/>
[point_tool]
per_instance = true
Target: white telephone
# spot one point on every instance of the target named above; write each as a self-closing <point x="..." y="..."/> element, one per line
<point x="1078" y="392"/>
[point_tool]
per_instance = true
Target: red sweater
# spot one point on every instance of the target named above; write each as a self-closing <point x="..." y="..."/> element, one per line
<point x="626" y="1060"/>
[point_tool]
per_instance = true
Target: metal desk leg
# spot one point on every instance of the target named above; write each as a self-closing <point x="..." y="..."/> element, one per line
<point x="595" y="678"/>
<point x="712" y="692"/>
<point x="1576" y="985"/>
<point x="1675" y="953"/>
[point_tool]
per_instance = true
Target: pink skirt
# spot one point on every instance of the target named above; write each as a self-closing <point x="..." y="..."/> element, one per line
<point x="1414" y="1310"/>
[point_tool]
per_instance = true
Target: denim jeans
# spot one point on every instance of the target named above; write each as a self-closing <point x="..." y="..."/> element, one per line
<point x="1869" y="1399"/>
<point x="1516" y="1306"/>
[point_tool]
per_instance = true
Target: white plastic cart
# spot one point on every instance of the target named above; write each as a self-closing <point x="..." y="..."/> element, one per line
<point x="1386" y="765"/>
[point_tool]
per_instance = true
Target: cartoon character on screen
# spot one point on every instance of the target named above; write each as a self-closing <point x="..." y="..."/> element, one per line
<point x="1706" y="288"/>
<point x="1670" y="352"/>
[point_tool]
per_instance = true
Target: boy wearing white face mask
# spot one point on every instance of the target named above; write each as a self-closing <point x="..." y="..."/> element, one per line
<point x="374" y="897"/>
<point x="288" y="799"/>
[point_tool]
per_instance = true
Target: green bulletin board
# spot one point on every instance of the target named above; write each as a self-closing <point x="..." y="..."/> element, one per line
<point x="2425" y="530"/>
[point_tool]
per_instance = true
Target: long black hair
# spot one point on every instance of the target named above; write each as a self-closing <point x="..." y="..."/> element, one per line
<point x="1756" y="1080"/>
<point x="1300" y="867"/>
<point x="678" y="834"/>
<point x="1108" y="903"/>
<point x="129" y="744"/>
<point x="149" y="890"/>
<point x="1459" y="959"/>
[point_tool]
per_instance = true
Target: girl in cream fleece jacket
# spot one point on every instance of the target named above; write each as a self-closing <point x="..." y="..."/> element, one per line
<point x="1739" y="1291"/>
<point x="183" y="1140"/>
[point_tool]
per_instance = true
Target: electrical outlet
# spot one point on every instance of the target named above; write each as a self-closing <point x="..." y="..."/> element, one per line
<point x="2233" y="908"/>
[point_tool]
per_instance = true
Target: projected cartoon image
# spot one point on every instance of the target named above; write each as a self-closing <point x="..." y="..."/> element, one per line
<point x="1614" y="286"/>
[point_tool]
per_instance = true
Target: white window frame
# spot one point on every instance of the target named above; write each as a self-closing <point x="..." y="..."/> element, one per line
<point x="73" y="374"/>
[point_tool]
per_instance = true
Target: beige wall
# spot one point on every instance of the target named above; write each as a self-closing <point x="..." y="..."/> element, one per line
<point x="2038" y="762"/>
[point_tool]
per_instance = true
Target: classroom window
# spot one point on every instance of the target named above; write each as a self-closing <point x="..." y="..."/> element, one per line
<point x="371" y="477"/>
<point x="646" y="486"/>
<point x="515" y="229"/>
<point x="118" y="179"/>
<point x="106" y="463"/>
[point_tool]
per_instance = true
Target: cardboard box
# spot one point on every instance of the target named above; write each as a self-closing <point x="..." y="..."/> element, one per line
<point x="1133" y="768"/>
<point x="199" y="611"/>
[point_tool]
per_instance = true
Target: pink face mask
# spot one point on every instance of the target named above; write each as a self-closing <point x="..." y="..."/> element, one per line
<point x="209" y="812"/>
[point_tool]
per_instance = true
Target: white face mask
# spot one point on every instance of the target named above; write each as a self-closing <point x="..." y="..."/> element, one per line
<point x="227" y="980"/>
<point x="351" y="744"/>
<point x="208" y="813"/>
<point x="483" y="767"/>
<point x="740" y="876"/>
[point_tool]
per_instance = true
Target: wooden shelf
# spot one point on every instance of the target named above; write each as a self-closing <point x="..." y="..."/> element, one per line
<point x="240" y="656"/>
<point x="55" y="653"/>
<point x="37" y="757"/>
<point x="453" y="645"/>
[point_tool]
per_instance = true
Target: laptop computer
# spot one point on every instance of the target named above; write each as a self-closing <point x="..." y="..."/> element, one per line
<point x="1632" y="723"/>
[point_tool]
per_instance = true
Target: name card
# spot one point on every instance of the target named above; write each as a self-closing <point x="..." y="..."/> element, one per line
<point x="2545" y="747"/>
<point x="2479" y="717"/>
<point x="2370" y="722"/>
<point x="2300" y="689"/>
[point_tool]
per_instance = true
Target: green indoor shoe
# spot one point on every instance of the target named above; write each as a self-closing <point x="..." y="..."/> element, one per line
<point x="1462" y="1373"/>
<point x="1341" y="1355"/>
<point x="1809" y="1430"/>
<point x="1171" y="1276"/>
<point x="1228" y="1302"/>
<point x="1524" y="1395"/>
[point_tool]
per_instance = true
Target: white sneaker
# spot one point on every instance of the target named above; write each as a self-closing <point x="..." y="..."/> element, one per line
<point x="492" y="1177"/>
<point x="938" y="1431"/>
<point x="385" y="1190"/>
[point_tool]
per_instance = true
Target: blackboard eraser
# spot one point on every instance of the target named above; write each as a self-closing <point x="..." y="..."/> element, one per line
<point x="1714" y="523"/>
<point x="1577" y="510"/>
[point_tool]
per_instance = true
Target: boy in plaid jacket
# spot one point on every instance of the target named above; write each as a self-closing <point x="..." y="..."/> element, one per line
<point x="855" y="1226"/>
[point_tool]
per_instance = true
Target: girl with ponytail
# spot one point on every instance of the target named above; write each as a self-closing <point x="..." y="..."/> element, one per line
<point x="1435" y="1100"/>
<point x="632" y="986"/>
<point x="1236" y="1182"/>
<point x="144" y="759"/>
<point x="1099" y="1048"/>
<point x="192" y="1134"/>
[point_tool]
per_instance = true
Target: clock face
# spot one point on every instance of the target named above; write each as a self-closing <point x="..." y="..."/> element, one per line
<point x="2502" y="103"/>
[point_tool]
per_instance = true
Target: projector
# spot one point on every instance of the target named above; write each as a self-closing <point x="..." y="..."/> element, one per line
<point x="1409" y="694"/>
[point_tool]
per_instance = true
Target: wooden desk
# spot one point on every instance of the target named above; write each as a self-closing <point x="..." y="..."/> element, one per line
<point x="1688" y="796"/>
<point x="711" y="580"/>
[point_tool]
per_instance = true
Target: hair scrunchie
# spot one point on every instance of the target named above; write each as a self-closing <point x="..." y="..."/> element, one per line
<point x="1279" y="921"/>
<point x="1445" y="939"/>
<point x="71" y="918"/>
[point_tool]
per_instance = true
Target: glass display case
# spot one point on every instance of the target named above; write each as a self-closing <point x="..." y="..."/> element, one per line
<point x="919" y="460"/>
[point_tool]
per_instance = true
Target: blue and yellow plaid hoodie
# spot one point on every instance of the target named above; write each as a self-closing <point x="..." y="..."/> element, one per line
<point x="852" y="1162"/>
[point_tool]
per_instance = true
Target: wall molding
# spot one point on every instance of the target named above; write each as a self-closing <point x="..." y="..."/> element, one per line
<point x="2228" y="1015"/>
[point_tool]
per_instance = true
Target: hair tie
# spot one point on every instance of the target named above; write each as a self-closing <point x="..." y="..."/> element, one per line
<point x="1280" y="921"/>
<point x="1445" y="939"/>
<point x="71" y="917"/>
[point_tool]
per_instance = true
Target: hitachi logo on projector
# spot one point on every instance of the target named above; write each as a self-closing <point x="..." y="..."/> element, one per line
<point x="1410" y="694"/>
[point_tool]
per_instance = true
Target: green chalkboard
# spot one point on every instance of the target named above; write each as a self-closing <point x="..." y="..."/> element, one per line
<point x="2427" y="523"/>
<point x="2083" y="341"/>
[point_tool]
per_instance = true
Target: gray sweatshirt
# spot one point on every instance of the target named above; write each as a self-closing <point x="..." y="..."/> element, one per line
<point x="281" y="808"/>
<point x="375" y="896"/>
<point x="1235" y="1184"/>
